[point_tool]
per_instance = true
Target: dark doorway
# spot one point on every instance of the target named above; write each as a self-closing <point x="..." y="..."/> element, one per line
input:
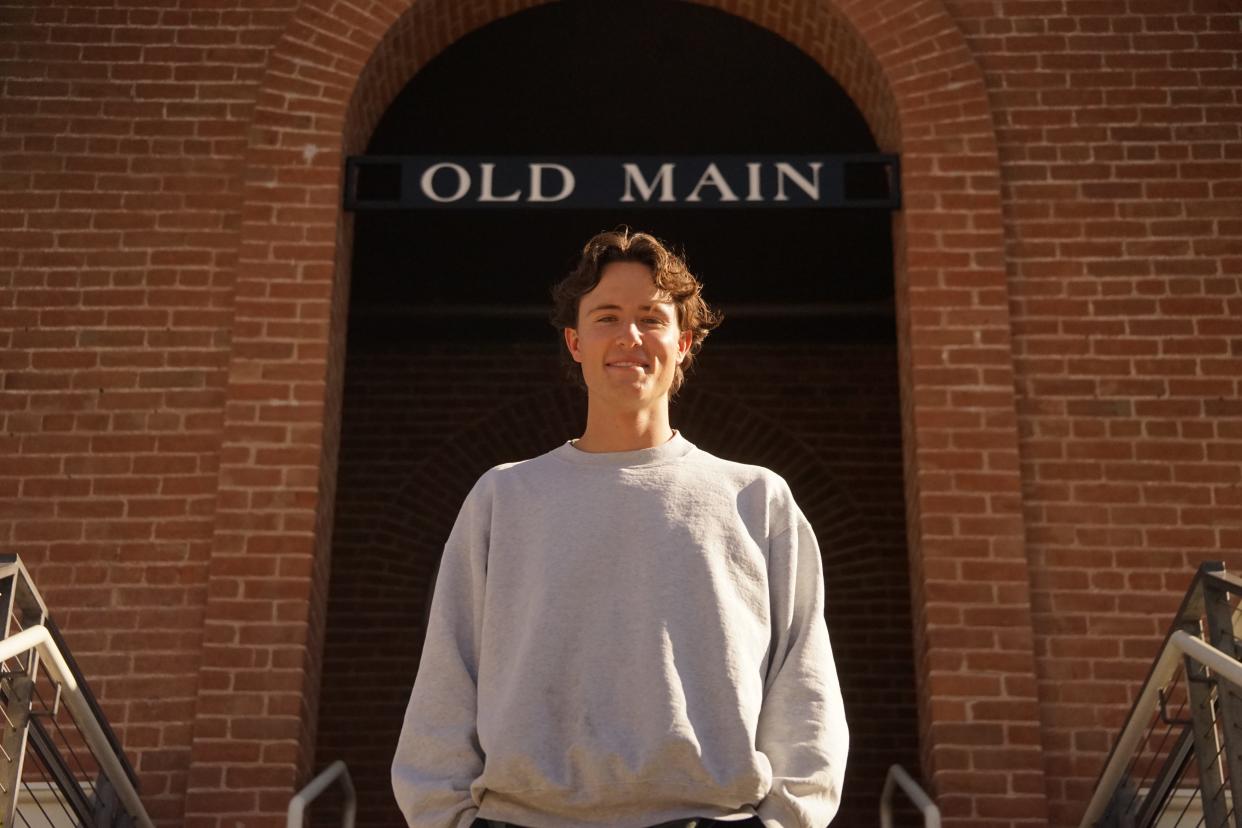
<point x="650" y="77"/>
<point x="453" y="368"/>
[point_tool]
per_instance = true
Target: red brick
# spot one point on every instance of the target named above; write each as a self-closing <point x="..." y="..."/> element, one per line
<point x="1071" y="98"/>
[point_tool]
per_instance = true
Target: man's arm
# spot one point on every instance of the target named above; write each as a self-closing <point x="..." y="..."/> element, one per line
<point x="438" y="754"/>
<point x="802" y="727"/>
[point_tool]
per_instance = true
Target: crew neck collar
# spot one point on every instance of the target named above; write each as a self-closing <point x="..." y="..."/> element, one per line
<point x="677" y="446"/>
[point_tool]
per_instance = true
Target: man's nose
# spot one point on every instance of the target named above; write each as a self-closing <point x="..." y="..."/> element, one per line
<point x="630" y="334"/>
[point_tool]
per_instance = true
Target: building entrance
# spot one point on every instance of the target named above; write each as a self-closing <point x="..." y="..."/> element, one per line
<point x="452" y="367"/>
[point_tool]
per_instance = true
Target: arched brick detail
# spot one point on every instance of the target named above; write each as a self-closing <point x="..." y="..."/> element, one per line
<point x="328" y="80"/>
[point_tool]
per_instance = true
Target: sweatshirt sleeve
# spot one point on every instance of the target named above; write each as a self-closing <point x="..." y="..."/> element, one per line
<point x="438" y="754"/>
<point x="802" y="728"/>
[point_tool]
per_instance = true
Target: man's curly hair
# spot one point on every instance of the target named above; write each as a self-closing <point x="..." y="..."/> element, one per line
<point x="669" y="273"/>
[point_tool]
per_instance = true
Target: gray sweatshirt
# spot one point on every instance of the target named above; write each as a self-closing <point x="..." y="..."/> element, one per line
<point x="622" y="639"/>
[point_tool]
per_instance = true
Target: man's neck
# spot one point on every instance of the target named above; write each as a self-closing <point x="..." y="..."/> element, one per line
<point x="624" y="430"/>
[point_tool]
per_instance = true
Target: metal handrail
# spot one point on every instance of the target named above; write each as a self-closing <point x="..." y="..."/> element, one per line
<point x="1178" y="644"/>
<point x="897" y="777"/>
<point x="332" y="773"/>
<point x="40" y="638"/>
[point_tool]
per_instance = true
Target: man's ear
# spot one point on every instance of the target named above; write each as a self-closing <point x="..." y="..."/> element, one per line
<point x="571" y="342"/>
<point x="684" y="340"/>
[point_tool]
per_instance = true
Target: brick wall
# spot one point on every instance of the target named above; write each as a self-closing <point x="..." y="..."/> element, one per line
<point x="122" y="129"/>
<point x="1119" y="137"/>
<point x="1069" y="251"/>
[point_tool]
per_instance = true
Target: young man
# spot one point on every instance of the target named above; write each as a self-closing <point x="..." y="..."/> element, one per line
<point x="626" y="631"/>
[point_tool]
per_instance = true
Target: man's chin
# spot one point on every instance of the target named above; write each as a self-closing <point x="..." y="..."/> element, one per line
<point x="628" y="396"/>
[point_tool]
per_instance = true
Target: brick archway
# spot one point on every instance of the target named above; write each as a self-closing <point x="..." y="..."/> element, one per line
<point x="328" y="81"/>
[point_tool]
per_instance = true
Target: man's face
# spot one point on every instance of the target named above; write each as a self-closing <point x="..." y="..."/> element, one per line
<point x="627" y="340"/>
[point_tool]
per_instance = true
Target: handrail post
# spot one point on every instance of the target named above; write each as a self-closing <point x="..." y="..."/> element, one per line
<point x="897" y="777"/>
<point x="18" y="599"/>
<point x="1206" y="736"/>
<point x="1219" y="617"/>
<point x="335" y="772"/>
<point x="16" y="717"/>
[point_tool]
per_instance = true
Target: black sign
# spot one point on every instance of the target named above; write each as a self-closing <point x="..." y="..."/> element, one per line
<point x="417" y="182"/>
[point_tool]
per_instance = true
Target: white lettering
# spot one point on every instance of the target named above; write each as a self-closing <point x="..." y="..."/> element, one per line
<point x="428" y="180"/>
<point x="810" y="187"/>
<point x="536" y="182"/>
<point x="711" y="176"/>
<point x="485" y="186"/>
<point x="752" y="180"/>
<point x="633" y="175"/>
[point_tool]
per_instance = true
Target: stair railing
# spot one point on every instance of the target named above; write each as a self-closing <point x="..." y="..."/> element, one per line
<point x="77" y="773"/>
<point x="1189" y="708"/>
<point x="336" y="772"/>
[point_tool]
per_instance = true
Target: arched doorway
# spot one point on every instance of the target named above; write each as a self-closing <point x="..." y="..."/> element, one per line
<point x="327" y="82"/>
<point x="452" y="367"/>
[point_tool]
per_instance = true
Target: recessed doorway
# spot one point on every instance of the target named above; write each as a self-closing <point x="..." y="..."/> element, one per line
<point x="452" y="367"/>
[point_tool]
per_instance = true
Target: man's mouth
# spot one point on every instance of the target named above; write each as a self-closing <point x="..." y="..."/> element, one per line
<point x="627" y="364"/>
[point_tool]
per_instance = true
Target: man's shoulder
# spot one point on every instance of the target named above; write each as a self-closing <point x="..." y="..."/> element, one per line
<point x="754" y="488"/>
<point x="513" y="470"/>
<point x="736" y="471"/>
<point x="760" y="495"/>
